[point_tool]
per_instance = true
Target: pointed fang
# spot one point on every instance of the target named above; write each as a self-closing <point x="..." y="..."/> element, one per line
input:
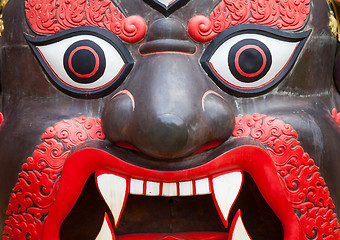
<point x="106" y="232"/>
<point x="237" y="229"/>
<point x="226" y="188"/>
<point x="113" y="190"/>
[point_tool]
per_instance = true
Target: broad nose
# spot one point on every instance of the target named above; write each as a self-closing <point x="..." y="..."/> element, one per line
<point x="167" y="107"/>
<point x="168" y="133"/>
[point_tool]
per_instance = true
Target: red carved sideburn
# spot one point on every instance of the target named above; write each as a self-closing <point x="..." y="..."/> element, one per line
<point x="283" y="14"/>
<point x="51" y="16"/>
<point x="37" y="186"/>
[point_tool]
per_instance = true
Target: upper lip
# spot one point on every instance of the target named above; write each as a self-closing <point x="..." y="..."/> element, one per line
<point x="251" y="159"/>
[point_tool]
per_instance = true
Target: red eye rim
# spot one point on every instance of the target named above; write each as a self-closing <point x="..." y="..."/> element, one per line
<point x="77" y="92"/>
<point x="96" y="59"/>
<point x="237" y="57"/>
<point x="299" y="37"/>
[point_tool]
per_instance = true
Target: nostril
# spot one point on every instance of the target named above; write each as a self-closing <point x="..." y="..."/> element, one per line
<point x="127" y="146"/>
<point x="168" y="134"/>
<point x="209" y="145"/>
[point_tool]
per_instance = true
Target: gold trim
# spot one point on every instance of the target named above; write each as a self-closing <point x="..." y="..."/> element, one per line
<point x="2" y="5"/>
<point x="335" y="23"/>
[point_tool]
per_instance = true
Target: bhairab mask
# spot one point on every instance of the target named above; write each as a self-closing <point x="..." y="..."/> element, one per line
<point x="160" y="119"/>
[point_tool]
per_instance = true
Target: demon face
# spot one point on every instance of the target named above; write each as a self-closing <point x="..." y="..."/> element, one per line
<point x="161" y="119"/>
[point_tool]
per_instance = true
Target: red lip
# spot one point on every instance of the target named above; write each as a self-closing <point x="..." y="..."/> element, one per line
<point x="254" y="160"/>
<point x="285" y="167"/>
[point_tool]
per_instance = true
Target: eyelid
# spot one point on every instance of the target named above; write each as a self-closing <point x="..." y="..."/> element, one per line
<point x="237" y="32"/>
<point x="63" y="38"/>
<point x="258" y="29"/>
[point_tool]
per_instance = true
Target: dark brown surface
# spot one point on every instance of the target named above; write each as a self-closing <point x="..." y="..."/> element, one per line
<point x="168" y="89"/>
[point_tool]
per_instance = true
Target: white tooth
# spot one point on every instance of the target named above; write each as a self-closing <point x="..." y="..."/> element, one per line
<point x="185" y="188"/>
<point x="113" y="190"/>
<point x="202" y="186"/>
<point x="136" y="186"/>
<point x="152" y="188"/>
<point x="237" y="230"/>
<point x="106" y="232"/>
<point x="226" y="188"/>
<point x="169" y="189"/>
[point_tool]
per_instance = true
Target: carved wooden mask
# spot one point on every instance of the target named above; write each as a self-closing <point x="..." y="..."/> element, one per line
<point x="160" y="119"/>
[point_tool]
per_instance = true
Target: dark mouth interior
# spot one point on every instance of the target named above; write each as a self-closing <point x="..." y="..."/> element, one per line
<point x="170" y="214"/>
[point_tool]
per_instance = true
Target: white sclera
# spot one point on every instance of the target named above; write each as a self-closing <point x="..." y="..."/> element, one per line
<point x="281" y="52"/>
<point x="54" y="55"/>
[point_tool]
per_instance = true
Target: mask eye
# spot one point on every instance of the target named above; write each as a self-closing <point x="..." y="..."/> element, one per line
<point x="246" y="60"/>
<point x="84" y="62"/>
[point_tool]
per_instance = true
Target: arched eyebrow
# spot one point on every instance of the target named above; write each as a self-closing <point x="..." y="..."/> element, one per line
<point x="283" y="14"/>
<point x="51" y="16"/>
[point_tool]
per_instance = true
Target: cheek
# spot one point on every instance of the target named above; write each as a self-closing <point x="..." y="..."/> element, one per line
<point x="38" y="183"/>
<point x="301" y="180"/>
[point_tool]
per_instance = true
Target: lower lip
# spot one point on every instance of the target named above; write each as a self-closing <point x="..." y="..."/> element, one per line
<point x="254" y="160"/>
<point x="176" y="236"/>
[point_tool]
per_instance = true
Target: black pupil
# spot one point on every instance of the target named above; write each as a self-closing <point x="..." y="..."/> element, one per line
<point x="250" y="61"/>
<point x="83" y="61"/>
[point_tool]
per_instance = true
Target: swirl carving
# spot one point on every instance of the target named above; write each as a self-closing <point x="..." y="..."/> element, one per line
<point x="37" y="185"/>
<point x="283" y="14"/>
<point x="51" y="16"/>
<point x="336" y="116"/>
<point x="300" y="177"/>
<point x="38" y="182"/>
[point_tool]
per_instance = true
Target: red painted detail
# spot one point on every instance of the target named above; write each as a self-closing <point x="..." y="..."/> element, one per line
<point x="35" y="191"/>
<point x="84" y="89"/>
<point x="225" y="221"/>
<point x="254" y="160"/>
<point x="51" y="16"/>
<point x="300" y="177"/>
<point x="283" y="14"/>
<point x="209" y="145"/>
<point x="336" y="115"/>
<point x="1" y="118"/>
<point x="127" y="191"/>
<point x="127" y="145"/>
<point x="212" y="66"/>
<point x="161" y="189"/>
<point x="144" y="187"/>
<point x="193" y="187"/>
<point x="176" y="236"/>
<point x="237" y="63"/>
<point x="160" y="52"/>
<point x="285" y="175"/>
<point x="95" y="56"/>
<point x="106" y="217"/>
<point x="233" y="225"/>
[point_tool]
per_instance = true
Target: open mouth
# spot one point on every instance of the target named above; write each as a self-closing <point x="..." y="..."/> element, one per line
<point x="224" y="188"/>
<point x="222" y="178"/>
<point x="264" y="152"/>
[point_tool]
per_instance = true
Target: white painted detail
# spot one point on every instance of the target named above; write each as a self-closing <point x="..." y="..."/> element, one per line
<point x="165" y="2"/>
<point x="113" y="190"/>
<point x="136" y="186"/>
<point x="54" y="55"/>
<point x="105" y="232"/>
<point x="225" y="191"/>
<point x="185" y="188"/>
<point x="280" y="50"/>
<point x="202" y="186"/>
<point x="169" y="189"/>
<point x="240" y="232"/>
<point x="152" y="188"/>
